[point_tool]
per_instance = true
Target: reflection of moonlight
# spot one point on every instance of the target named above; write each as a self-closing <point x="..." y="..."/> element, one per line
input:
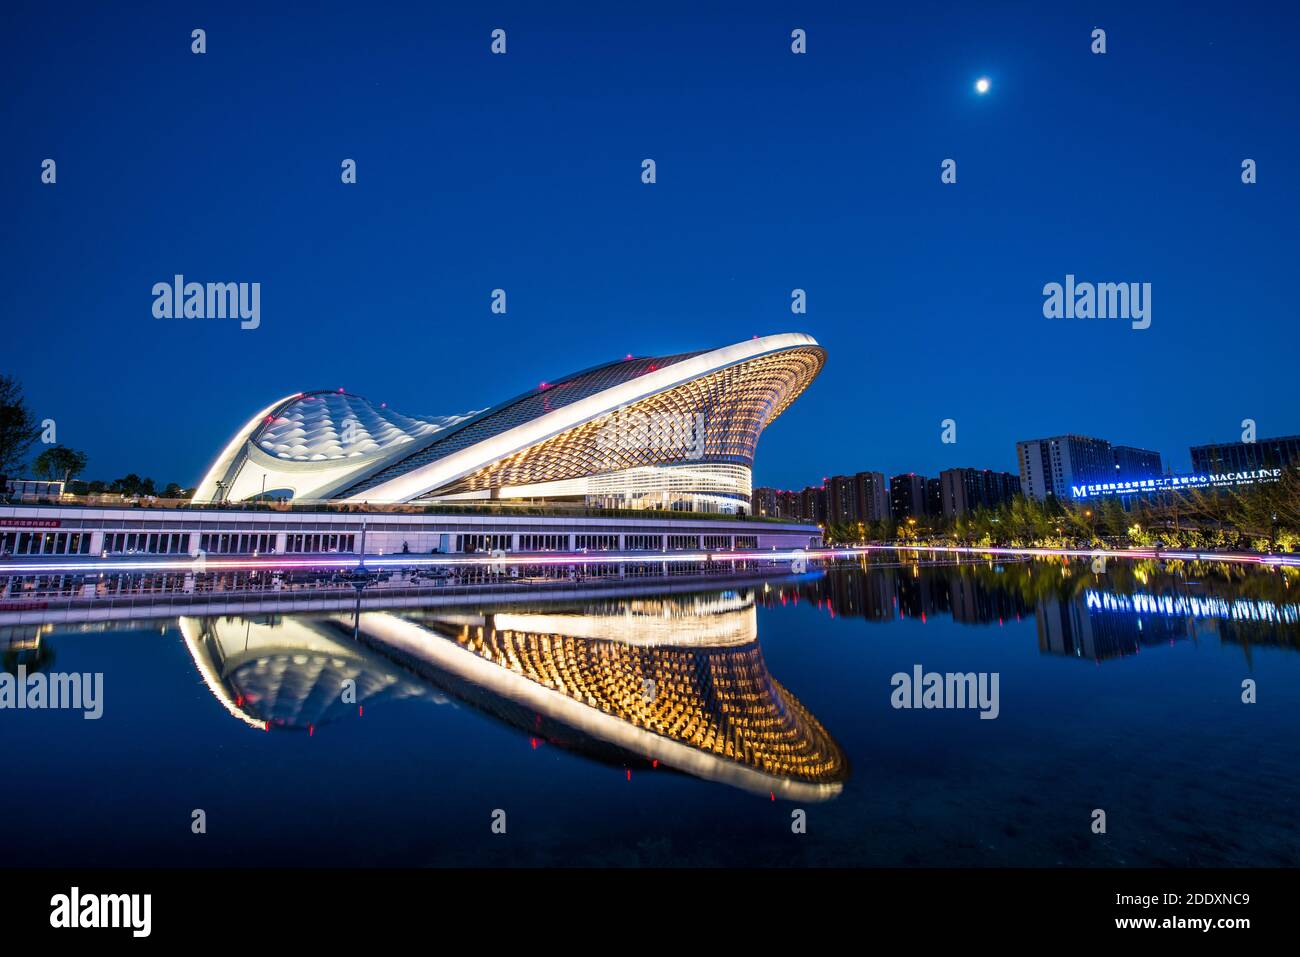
<point x="982" y="85"/>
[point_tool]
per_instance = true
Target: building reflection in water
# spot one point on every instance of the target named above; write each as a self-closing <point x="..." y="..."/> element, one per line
<point x="888" y="591"/>
<point x="677" y="682"/>
<point x="655" y="672"/>
<point x="1079" y="612"/>
<point x="289" y="672"/>
<point x="1078" y="628"/>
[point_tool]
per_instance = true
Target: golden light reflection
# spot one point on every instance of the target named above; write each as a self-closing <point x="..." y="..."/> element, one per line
<point x="679" y="682"/>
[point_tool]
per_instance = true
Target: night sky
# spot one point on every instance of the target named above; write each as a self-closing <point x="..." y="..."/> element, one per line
<point x="775" y="171"/>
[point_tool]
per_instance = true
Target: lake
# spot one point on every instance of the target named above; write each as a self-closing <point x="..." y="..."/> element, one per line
<point x="751" y="718"/>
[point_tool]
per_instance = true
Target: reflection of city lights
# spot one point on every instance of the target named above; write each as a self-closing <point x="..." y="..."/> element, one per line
<point x="1193" y="606"/>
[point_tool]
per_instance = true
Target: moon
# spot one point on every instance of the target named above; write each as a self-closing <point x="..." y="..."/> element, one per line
<point x="982" y="85"/>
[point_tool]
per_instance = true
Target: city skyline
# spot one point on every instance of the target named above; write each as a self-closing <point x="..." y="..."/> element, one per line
<point x="1286" y="447"/>
<point x="1067" y="468"/>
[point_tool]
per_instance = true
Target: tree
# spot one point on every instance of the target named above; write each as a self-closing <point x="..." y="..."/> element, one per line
<point x="132" y="485"/>
<point x="60" y="464"/>
<point x="1113" y="520"/>
<point x="18" y="428"/>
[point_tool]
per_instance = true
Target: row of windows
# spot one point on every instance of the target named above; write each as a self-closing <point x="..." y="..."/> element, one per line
<point x="543" y="543"/>
<point x="45" y="543"/>
<point x="148" y="543"/>
<point x="232" y="543"/>
<point x="318" y="544"/>
<point x="484" y="543"/>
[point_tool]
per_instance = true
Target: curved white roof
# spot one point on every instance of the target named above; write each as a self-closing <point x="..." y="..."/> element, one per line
<point x="442" y="471"/>
<point x="334" y="445"/>
<point x="324" y="426"/>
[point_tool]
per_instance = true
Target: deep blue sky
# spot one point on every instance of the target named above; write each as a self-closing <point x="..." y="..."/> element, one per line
<point x="775" y="171"/>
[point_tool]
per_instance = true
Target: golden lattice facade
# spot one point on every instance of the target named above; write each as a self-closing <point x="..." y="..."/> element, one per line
<point x="731" y="406"/>
<point x="718" y="700"/>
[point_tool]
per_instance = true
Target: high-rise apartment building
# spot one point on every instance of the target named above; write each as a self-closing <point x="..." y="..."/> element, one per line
<point x="1246" y="456"/>
<point x="1049" y="467"/>
<point x="872" y="495"/>
<point x="963" y="490"/>
<point x="907" y="496"/>
<point x="812" y="505"/>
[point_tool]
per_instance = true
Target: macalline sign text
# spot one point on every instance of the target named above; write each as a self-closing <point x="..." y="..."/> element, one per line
<point x="1213" y="480"/>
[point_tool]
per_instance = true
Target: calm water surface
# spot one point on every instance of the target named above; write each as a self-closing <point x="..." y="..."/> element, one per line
<point x="668" y="723"/>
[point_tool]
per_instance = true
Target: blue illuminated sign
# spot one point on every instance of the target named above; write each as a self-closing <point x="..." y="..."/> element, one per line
<point x="1175" y="482"/>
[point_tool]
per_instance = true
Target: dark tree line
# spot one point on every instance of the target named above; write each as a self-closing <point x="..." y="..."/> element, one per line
<point x="19" y="431"/>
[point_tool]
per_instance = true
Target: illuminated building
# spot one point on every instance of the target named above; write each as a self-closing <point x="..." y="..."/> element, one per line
<point x="671" y="432"/>
<point x="765" y="503"/>
<point x="812" y="505"/>
<point x="907" y="496"/>
<point x="872" y="495"/>
<point x="850" y="499"/>
<point x="776" y="503"/>
<point x="1049" y="467"/>
<point x="933" y="497"/>
<point x="1133" y="463"/>
<point x="1246" y="456"/>
<point x="841" y="500"/>
<point x="787" y="504"/>
<point x="961" y="491"/>
<point x="232" y="531"/>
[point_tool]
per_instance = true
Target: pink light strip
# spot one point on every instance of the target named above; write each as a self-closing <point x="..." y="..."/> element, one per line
<point x="603" y="558"/>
